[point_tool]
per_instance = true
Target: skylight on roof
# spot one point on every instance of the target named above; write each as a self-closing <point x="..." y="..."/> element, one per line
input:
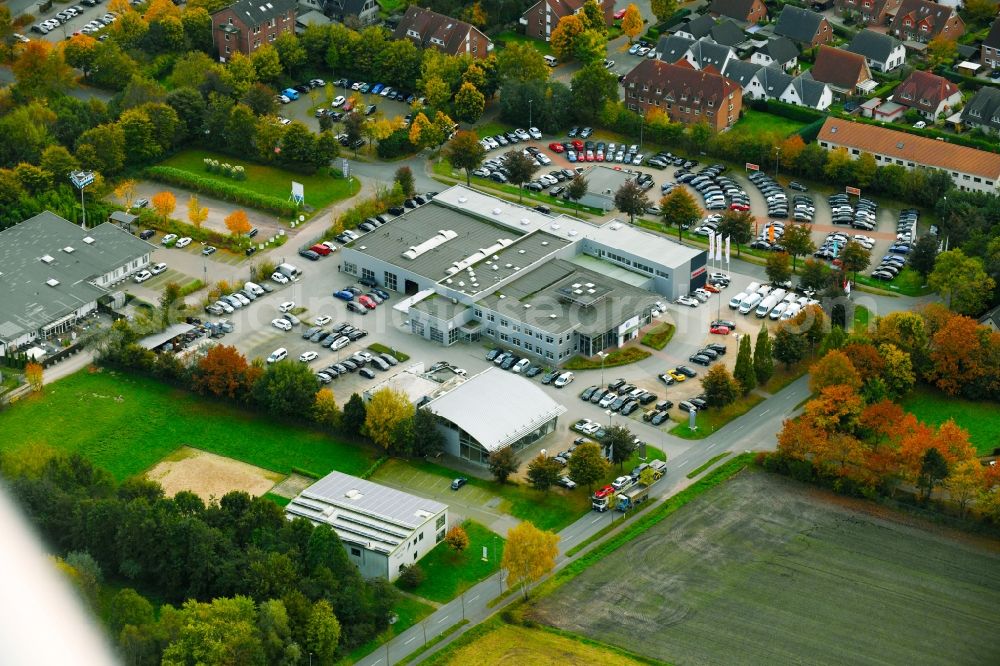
<point x="88" y="240"/>
<point x="68" y="249"/>
<point x="47" y="259"/>
<point x="52" y="282"/>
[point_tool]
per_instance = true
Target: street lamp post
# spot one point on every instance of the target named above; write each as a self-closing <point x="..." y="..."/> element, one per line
<point x="80" y="180"/>
<point x="603" y="356"/>
<point x="530" y="124"/>
<point x="777" y="154"/>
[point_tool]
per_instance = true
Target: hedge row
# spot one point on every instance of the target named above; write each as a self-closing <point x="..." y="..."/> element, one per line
<point x="231" y="192"/>
<point x="802" y="114"/>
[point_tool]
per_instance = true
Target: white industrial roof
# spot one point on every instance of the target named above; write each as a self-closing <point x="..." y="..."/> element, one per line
<point x="496" y="407"/>
<point x="362" y="512"/>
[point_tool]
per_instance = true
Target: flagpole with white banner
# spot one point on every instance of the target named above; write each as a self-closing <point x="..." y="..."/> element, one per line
<point x="727" y="255"/>
<point x="711" y="248"/>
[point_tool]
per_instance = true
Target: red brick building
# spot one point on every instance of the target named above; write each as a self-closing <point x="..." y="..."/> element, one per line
<point x="430" y="30"/>
<point x="922" y="21"/>
<point x="246" y="25"/>
<point x="540" y="19"/>
<point x="870" y="12"/>
<point x="686" y="95"/>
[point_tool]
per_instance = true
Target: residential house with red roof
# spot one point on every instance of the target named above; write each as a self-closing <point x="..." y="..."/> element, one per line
<point x="540" y="19"/>
<point x="685" y="94"/>
<point x="846" y="73"/>
<point x="430" y="30"/>
<point x="923" y="20"/>
<point x="748" y="11"/>
<point x="927" y="93"/>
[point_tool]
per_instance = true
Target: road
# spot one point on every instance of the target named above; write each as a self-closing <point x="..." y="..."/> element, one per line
<point x="752" y="431"/>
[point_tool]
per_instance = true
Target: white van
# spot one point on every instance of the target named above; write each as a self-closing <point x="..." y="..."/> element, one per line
<point x="735" y="301"/>
<point x="766" y="306"/>
<point x="255" y="288"/>
<point x="521" y="365"/>
<point x="279" y="354"/>
<point x="748" y="304"/>
<point x="289" y="271"/>
<point x="752" y="287"/>
<point x="764" y="289"/>
<point x="550" y="61"/>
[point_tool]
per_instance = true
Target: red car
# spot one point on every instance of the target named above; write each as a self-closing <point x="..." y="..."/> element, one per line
<point x="556" y="147"/>
<point x="590" y="156"/>
<point x="739" y="206"/>
<point x="604" y="492"/>
<point x="619" y="14"/>
<point x="719" y="330"/>
<point x="577" y="145"/>
<point x="320" y="249"/>
<point x="711" y="287"/>
<point x="367" y="302"/>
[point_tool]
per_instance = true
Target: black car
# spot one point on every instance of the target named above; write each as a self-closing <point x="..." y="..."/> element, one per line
<point x="630" y="407"/>
<point x="550" y="377"/>
<point x="598" y="395"/>
<point x="723" y="322"/>
<point x="711" y="353"/>
<point x="617" y="384"/>
<point x="459" y="482"/>
<point x="397" y="210"/>
<point x="664" y="405"/>
<point x="588" y="392"/>
<point x="309" y="254"/>
<point x="350" y="365"/>
<point x="356" y="335"/>
<point x="718" y="348"/>
<point x="533" y="371"/>
<point x="356" y="309"/>
<point x="493" y="353"/>
<point x="798" y="187"/>
<point x="660" y="417"/>
<point x="647" y="398"/>
<point x="686" y="371"/>
<point x="148" y="233"/>
<point x="699" y="403"/>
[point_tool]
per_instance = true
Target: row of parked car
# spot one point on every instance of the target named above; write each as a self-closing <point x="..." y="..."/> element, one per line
<point x="68" y="14"/>
<point x="836" y="241"/>
<point x="378" y="89"/>
<point x="577" y="150"/>
<point x="715" y="284"/>
<point x="777" y="302"/>
<point x="512" y="137"/>
<point x="146" y="274"/>
<point x="906" y="233"/>
<point x="774" y="195"/>
<point x="496" y="169"/>
<point x="365" y="301"/>
<point x="719" y="192"/>
<point x="619" y="396"/>
<point x="240" y="298"/>
<point x="508" y="360"/>
<point x="318" y="251"/>
<point x="861" y="215"/>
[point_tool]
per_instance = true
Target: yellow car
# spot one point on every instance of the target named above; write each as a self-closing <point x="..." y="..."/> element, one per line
<point x="678" y="376"/>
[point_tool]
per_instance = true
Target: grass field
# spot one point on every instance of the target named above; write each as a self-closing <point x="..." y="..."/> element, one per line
<point x="510" y="37"/>
<point x="449" y="573"/>
<point x="981" y="419"/>
<point x="321" y="189"/>
<point x="757" y="122"/>
<point x="659" y="336"/>
<point x="763" y="570"/>
<point x="908" y="283"/>
<point x="497" y="643"/>
<point x="623" y="356"/>
<point x="862" y="318"/>
<point x="408" y="612"/>
<point x="126" y="424"/>
<point x="711" y="419"/>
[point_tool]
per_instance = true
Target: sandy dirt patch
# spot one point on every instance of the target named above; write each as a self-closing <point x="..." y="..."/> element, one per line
<point x="208" y="475"/>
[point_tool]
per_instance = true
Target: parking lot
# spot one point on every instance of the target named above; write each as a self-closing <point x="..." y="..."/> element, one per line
<point x="64" y="28"/>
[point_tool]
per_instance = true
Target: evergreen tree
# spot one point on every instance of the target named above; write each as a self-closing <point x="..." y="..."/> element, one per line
<point x="763" y="363"/>
<point x="355" y="414"/>
<point x="744" y="371"/>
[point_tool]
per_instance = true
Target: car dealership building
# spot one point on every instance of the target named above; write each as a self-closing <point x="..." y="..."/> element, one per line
<point x="474" y="266"/>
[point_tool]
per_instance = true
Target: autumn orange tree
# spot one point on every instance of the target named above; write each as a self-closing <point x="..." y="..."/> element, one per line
<point x="34" y="373"/>
<point x="224" y="373"/>
<point x="164" y="204"/>
<point x="632" y="22"/>
<point x="834" y="368"/>
<point x="237" y="223"/>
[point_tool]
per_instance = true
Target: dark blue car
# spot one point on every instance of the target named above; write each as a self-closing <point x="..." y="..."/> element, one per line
<point x="344" y="295"/>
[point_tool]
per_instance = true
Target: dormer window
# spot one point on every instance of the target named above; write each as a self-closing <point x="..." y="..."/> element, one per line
<point x="413" y="33"/>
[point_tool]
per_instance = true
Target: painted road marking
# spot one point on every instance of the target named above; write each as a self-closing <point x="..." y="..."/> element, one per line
<point x="764" y="412"/>
<point x="684" y="465"/>
<point x="595" y="520"/>
<point x="474" y="598"/>
<point x="410" y="641"/>
<point x="442" y="619"/>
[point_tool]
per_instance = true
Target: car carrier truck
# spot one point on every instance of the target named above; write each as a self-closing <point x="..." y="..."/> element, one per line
<point x="633" y="497"/>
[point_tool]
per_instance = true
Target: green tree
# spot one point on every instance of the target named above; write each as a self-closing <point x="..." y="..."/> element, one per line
<point x="469" y="103"/>
<point x="923" y="255"/>
<point x="266" y="63"/>
<point x="355" y="414"/>
<point x="543" y="472"/>
<point x="291" y="52"/>
<point x="437" y="91"/>
<point x="962" y="280"/>
<point x="663" y="9"/>
<point x="386" y="410"/>
<point x="102" y="148"/>
<point x="587" y="466"/>
<point x="168" y="299"/>
<point x="323" y="633"/>
<point x="620" y="441"/>
<point x="591" y="48"/>
<point x="864" y="170"/>
<point x="286" y="388"/>
<point x="260" y="99"/>
<point x="425" y="438"/>
<point x="933" y="470"/>
<point x="798" y="241"/>
<point x="897" y="370"/>
<point x="855" y="257"/>
<point x="679" y="209"/>
<point x="631" y="199"/>
<point x="502" y="464"/>
<point x="404" y="176"/>
<point x="129" y="607"/>
<point x="979" y="11"/>
<point x="789" y="347"/>
<point x="593" y="86"/>
<point x="577" y="187"/>
<point x="744" y="372"/>
<point x="353" y="124"/>
<point x="465" y="152"/>
<point x="720" y="387"/>
<point x="941" y="51"/>
<point x="763" y="363"/>
<point x="521" y="168"/>
<point x="521" y="61"/>
<point x="778" y="267"/>
<point x="221" y="632"/>
<point x="593" y="17"/>
<point x="276" y="633"/>
<point x="738" y="225"/>
<point x="815" y="275"/>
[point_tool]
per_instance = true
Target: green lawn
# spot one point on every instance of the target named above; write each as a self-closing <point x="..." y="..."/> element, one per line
<point x="126" y="424"/>
<point x="623" y="356"/>
<point x="448" y="573"/>
<point x="981" y="419"/>
<point x="658" y="337"/>
<point x="321" y="189"/>
<point x="510" y="36"/>
<point x="492" y="129"/>
<point x="758" y="122"/>
<point x="908" y="283"/>
<point x="711" y="419"/>
<point x="861" y="318"/>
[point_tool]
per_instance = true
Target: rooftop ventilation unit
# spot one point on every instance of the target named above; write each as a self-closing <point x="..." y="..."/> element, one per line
<point x="576" y="285"/>
<point x="353" y="494"/>
<point x="502" y="296"/>
<point x="442" y="237"/>
<point x="52" y="282"/>
<point x="527" y="305"/>
<point x="544" y="243"/>
<point x="555" y="225"/>
<point x="481" y="254"/>
<point x="497" y="211"/>
<point x="553" y="316"/>
<point x="572" y="232"/>
<point x="589" y="284"/>
<point x="525" y="221"/>
<point x="520" y="251"/>
<point x="46" y="259"/>
<point x="495" y="267"/>
<point x="68" y="250"/>
<point x="462" y="200"/>
<point x="508" y="265"/>
<point x="88" y="240"/>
